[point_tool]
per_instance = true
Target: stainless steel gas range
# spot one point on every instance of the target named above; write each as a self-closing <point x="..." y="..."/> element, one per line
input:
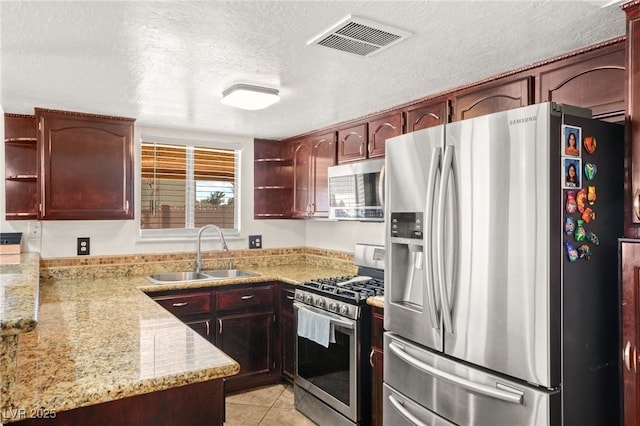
<point x="333" y="375"/>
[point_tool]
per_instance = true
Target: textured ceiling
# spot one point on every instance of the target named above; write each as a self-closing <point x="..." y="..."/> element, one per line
<point x="167" y="63"/>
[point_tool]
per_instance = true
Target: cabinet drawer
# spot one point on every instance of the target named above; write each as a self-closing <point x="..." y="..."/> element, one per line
<point x="187" y="304"/>
<point x="240" y="298"/>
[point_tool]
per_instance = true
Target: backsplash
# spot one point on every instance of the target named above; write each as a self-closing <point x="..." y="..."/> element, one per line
<point x="144" y="264"/>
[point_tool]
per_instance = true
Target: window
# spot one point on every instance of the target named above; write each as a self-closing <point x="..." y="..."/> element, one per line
<point x="184" y="186"/>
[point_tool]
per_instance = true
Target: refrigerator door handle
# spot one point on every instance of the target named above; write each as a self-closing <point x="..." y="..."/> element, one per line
<point x="428" y="271"/>
<point x="501" y="392"/>
<point x="442" y="198"/>
<point x="381" y="187"/>
<point x="399" y="405"/>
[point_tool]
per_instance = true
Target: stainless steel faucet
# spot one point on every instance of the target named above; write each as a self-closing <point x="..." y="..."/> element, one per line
<point x="198" y="251"/>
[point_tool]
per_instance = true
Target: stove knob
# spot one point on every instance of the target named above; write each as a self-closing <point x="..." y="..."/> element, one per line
<point x="320" y="303"/>
<point x="333" y="307"/>
<point x="344" y="309"/>
<point x="309" y="299"/>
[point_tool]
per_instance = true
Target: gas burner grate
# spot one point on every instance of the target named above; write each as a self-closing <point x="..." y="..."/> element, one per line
<point x="355" y="291"/>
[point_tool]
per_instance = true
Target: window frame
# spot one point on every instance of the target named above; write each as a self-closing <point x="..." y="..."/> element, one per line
<point x="181" y="234"/>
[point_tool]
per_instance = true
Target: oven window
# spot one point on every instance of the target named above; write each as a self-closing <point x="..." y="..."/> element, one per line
<point x="327" y="368"/>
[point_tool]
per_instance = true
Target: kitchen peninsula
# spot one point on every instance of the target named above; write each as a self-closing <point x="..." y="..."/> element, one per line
<point x="100" y="346"/>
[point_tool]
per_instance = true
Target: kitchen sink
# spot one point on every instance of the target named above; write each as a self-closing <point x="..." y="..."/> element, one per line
<point x="214" y="274"/>
<point x="228" y="273"/>
<point x="174" y="277"/>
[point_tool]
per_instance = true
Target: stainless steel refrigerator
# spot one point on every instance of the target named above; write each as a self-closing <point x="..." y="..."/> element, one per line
<point x="501" y="296"/>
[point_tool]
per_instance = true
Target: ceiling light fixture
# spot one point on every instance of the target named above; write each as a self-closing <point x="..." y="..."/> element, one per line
<point x="246" y="96"/>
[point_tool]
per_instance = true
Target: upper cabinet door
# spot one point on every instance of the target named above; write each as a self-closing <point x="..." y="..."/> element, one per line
<point x="595" y="80"/>
<point x="382" y="129"/>
<point x="352" y="143"/>
<point x="323" y="155"/>
<point x="489" y="98"/>
<point x="426" y="114"/>
<point x="86" y="167"/>
<point x="632" y="206"/>
<point x="301" y="178"/>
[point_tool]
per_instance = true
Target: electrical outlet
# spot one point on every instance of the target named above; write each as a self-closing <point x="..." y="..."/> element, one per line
<point x="255" y="241"/>
<point x="35" y="229"/>
<point x="83" y="246"/>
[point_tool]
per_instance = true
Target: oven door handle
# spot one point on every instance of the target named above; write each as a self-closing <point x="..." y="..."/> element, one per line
<point x="334" y="319"/>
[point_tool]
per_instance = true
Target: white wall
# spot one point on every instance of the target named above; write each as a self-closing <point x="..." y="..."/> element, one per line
<point x="343" y="236"/>
<point x="58" y="238"/>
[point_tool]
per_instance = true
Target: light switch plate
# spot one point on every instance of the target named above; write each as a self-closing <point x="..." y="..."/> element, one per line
<point x="255" y="241"/>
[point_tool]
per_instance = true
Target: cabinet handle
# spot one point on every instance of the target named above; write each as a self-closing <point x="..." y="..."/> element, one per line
<point x="636" y="203"/>
<point x="207" y="326"/>
<point x="361" y="149"/>
<point x="248" y="296"/>
<point x="220" y="326"/>
<point x="290" y="297"/>
<point x="628" y="357"/>
<point x="179" y="304"/>
<point x="371" y="147"/>
<point x="371" y="359"/>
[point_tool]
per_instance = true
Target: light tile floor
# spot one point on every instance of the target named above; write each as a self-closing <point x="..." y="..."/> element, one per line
<point x="265" y="406"/>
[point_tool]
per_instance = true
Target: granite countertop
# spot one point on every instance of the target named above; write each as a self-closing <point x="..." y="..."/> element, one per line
<point x="377" y="301"/>
<point x="19" y="295"/>
<point x="98" y="340"/>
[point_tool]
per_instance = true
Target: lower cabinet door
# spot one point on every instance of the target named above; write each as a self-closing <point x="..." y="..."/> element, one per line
<point x="376" y="358"/>
<point x="288" y="347"/>
<point x="248" y="339"/>
<point x="202" y="327"/>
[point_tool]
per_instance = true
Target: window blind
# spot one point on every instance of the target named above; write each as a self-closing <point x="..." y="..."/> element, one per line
<point x="187" y="186"/>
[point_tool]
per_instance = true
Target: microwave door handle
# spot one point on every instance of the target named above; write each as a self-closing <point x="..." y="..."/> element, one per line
<point x="427" y="270"/>
<point x="440" y="239"/>
<point x="381" y="187"/>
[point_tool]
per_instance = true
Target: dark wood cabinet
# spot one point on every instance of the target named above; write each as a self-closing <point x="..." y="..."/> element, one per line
<point x="493" y="97"/>
<point x="367" y="140"/>
<point x="381" y="129"/>
<point x="87" y="166"/>
<point x="593" y="80"/>
<point x="272" y="180"/>
<point x="376" y="359"/>
<point x="247" y="322"/>
<point x="426" y="114"/>
<point x="352" y="143"/>
<point x="191" y="307"/>
<point x="196" y="404"/>
<point x="632" y="212"/>
<point x="245" y="330"/>
<point x="287" y="332"/>
<point x="630" y="345"/>
<point x="312" y="157"/>
<point x="21" y="167"/>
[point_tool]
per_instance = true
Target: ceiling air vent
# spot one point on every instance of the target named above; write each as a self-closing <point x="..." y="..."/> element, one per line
<point x="359" y="36"/>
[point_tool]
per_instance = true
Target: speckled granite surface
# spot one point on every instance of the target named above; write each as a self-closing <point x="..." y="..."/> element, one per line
<point x="377" y="301"/>
<point x="100" y="339"/>
<point x="19" y="295"/>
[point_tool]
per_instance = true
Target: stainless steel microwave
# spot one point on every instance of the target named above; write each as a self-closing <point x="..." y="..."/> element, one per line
<point x="356" y="191"/>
